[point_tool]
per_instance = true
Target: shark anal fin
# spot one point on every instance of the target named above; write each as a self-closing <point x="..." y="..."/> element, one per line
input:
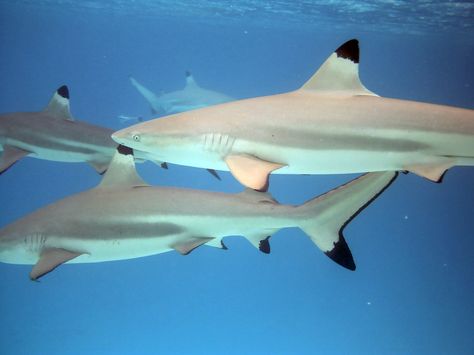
<point x="50" y="259"/>
<point x="184" y="248"/>
<point x="251" y="171"/>
<point x="10" y="156"/>
<point x="431" y="172"/>
<point x="214" y="173"/>
<point x="260" y="241"/>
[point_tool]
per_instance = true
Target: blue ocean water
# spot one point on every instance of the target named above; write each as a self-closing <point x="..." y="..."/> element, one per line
<point x="413" y="289"/>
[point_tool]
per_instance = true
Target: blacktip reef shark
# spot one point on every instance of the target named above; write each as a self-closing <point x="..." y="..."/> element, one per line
<point x="331" y="125"/>
<point x="53" y="134"/>
<point x="191" y="97"/>
<point x="124" y="218"/>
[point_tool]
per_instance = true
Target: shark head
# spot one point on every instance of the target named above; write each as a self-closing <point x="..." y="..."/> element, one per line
<point x="162" y="139"/>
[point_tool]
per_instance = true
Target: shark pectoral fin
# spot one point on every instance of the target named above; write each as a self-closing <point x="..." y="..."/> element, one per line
<point x="217" y="243"/>
<point x="431" y="172"/>
<point x="251" y="171"/>
<point x="50" y="259"/>
<point x="10" y="156"/>
<point x="260" y="241"/>
<point x="184" y="248"/>
<point x="214" y="173"/>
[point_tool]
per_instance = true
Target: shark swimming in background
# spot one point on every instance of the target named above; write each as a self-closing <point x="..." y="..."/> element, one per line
<point x="333" y="124"/>
<point x="191" y="97"/>
<point x="53" y="134"/>
<point x="124" y="218"/>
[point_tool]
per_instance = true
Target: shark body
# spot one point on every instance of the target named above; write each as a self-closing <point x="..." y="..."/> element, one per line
<point x="53" y="134"/>
<point x="191" y="97"/>
<point x="332" y="125"/>
<point x="125" y="218"/>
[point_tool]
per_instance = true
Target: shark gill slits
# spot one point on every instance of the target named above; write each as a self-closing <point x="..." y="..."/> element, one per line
<point x="349" y="50"/>
<point x="341" y="254"/>
<point x="124" y="150"/>
<point x="63" y="91"/>
<point x="264" y="245"/>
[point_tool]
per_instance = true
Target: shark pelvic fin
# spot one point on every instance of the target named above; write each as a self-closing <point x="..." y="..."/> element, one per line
<point x="431" y="172"/>
<point x="10" y="156"/>
<point x="339" y="73"/>
<point x="217" y="243"/>
<point x="184" y="248"/>
<point x="58" y="106"/>
<point x="326" y="216"/>
<point x="251" y="171"/>
<point x="214" y="173"/>
<point x="121" y="171"/>
<point x="50" y="259"/>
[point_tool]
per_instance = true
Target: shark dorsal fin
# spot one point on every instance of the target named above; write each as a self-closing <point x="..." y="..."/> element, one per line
<point x="339" y="73"/>
<point x="58" y="106"/>
<point x="121" y="171"/>
<point x="190" y="82"/>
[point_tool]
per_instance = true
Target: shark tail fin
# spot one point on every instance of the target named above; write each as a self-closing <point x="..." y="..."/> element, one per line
<point x="325" y="217"/>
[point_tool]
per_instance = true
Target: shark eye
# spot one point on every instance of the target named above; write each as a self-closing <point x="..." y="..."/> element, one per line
<point x="136" y="137"/>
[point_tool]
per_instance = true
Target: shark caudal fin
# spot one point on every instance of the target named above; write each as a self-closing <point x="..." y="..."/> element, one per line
<point x="146" y="93"/>
<point x="339" y="73"/>
<point x="325" y="217"/>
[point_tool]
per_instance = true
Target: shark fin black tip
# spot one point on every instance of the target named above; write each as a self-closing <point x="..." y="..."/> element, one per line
<point x="264" y="245"/>
<point x="341" y="254"/>
<point x="223" y="246"/>
<point x="187" y="73"/>
<point x="349" y="50"/>
<point x="63" y="91"/>
<point x="124" y="150"/>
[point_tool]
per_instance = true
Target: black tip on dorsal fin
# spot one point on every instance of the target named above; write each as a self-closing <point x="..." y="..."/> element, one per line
<point x="187" y="74"/>
<point x="63" y="91"/>
<point x="349" y="50"/>
<point x="341" y="254"/>
<point x="124" y="150"/>
<point x="264" y="245"/>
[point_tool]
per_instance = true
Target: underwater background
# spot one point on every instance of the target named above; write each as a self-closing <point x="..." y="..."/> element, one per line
<point x="413" y="289"/>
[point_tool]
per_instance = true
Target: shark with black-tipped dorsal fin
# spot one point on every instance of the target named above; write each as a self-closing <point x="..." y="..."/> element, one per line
<point x="333" y="124"/>
<point x="53" y="134"/>
<point x="124" y="217"/>
<point x="191" y="97"/>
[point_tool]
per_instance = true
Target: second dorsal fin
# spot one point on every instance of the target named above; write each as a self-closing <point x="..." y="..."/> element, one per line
<point x="339" y="73"/>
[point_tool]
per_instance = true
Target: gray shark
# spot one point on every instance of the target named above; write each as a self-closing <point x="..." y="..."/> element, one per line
<point x="191" y="97"/>
<point x="333" y="124"/>
<point x="123" y="218"/>
<point x="53" y="134"/>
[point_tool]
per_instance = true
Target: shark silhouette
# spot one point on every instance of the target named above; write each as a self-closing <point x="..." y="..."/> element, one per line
<point x="331" y="125"/>
<point x="191" y="97"/>
<point x="53" y="134"/>
<point x="123" y="218"/>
